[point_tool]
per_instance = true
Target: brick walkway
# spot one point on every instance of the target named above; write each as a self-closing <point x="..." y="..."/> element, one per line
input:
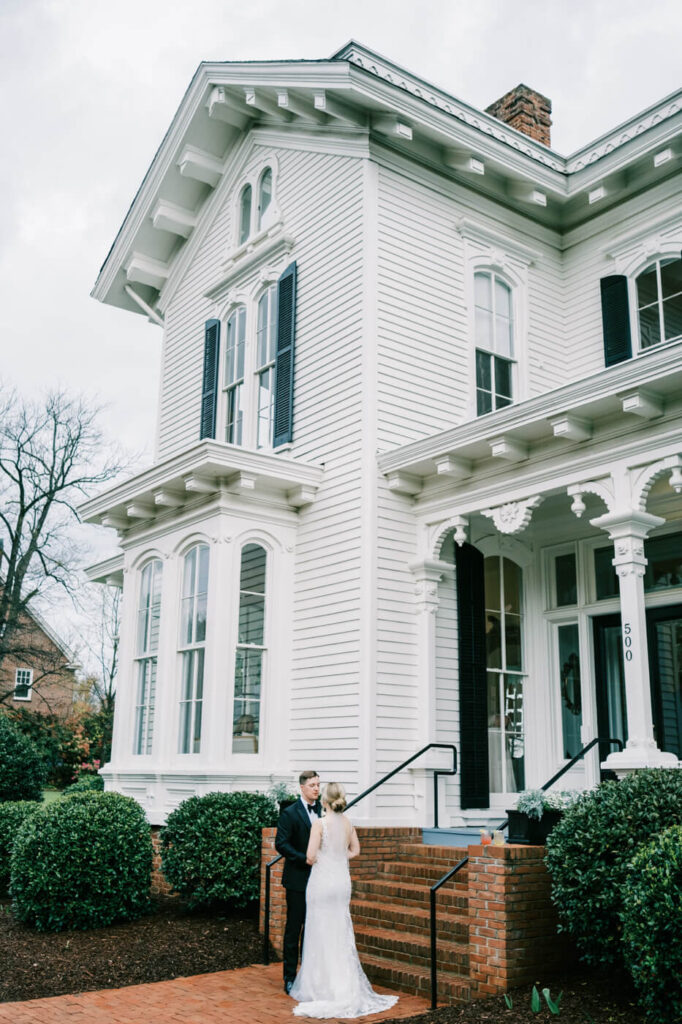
<point x="252" y="995"/>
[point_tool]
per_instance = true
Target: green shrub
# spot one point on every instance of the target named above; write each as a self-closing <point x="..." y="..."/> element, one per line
<point x="82" y="863"/>
<point x="22" y="770"/>
<point x="589" y="852"/>
<point x="85" y="783"/>
<point x="12" y="817"/>
<point x="211" y="847"/>
<point x="652" y="924"/>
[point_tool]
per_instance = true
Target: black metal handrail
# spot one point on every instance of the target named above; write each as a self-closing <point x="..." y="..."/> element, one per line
<point x="453" y="871"/>
<point x="437" y="772"/>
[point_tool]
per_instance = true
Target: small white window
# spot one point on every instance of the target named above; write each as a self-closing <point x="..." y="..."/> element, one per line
<point x="192" y="647"/>
<point x="264" y="198"/>
<point x="494" y="328"/>
<point x="245" y="214"/>
<point x="659" y="302"/>
<point x="23" y="684"/>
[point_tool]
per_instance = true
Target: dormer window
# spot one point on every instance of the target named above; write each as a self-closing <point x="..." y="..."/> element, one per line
<point x="659" y="302"/>
<point x="245" y="214"/>
<point x="264" y="198"/>
<point x="494" y="342"/>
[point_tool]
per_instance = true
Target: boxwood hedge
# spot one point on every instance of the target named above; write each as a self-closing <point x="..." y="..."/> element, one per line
<point x="82" y="863"/>
<point x="210" y="847"/>
<point x="22" y="769"/>
<point x="652" y="925"/>
<point x="590" y="850"/>
<point x="12" y="816"/>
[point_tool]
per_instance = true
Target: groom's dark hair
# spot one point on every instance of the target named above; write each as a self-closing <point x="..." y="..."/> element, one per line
<point x="310" y="774"/>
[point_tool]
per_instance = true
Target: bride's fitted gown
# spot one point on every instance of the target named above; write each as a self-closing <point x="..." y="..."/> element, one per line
<point x="331" y="982"/>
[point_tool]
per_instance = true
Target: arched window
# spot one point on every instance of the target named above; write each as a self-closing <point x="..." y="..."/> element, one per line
<point x="146" y="652"/>
<point x="494" y="326"/>
<point x="245" y="214"/>
<point x="659" y="302"/>
<point x="265" y="371"/>
<point x="248" y="667"/>
<point x="192" y="646"/>
<point x="234" y="376"/>
<point x="264" y="197"/>
<point x="505" y="675"/>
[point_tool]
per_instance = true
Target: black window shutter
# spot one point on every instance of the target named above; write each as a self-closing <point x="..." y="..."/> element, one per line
<point x="284" y="360"/>
<point x="615" y="313"/>
<point x="473" y="700"/>
<point x="209" y="390"/>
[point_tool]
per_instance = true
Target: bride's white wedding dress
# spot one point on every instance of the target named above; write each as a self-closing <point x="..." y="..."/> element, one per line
<point x="331" y="982"/>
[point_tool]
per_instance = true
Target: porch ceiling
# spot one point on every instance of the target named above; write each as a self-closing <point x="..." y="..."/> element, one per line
<point x="647" y="388"/>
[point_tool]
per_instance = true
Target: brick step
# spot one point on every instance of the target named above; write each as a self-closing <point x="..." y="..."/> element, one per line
<point x="408" y="870"/>
<point x="452" y="854"/>
<point x="382" y="890"/>
<point x="414" y="950"/>
<point x="452" y="923"/>
<point x="415" y="980"/>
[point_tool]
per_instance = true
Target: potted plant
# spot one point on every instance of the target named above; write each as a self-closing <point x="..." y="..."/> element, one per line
<point x="535" y="815"/>
<point x="282" y="795"/>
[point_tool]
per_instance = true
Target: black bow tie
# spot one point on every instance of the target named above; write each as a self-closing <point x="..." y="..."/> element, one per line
<point x="311" y="808"/>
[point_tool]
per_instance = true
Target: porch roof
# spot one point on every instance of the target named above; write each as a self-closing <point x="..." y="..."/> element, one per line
<point x="574" y="414"/>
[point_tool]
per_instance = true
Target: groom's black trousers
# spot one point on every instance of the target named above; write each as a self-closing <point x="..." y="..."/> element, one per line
<point x="293" y="931"/>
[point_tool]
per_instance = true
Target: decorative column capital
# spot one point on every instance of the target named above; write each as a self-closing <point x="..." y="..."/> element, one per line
<point x="427" y="575"/>
<point x="628" y="530"/>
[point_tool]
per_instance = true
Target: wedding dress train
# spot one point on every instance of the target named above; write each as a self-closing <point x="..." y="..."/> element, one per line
<point x="331" y="981"/>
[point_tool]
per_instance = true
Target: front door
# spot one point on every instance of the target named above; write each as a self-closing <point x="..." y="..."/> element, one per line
<point x="610" y="682"/>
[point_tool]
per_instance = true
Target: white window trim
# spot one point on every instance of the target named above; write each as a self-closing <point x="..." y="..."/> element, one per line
<point x="273" y="213"/>
<point x="183" y="648"/>
<point x="652" y="258"/>
<point x="146" y="656"/>
<point x="29" y="695"/>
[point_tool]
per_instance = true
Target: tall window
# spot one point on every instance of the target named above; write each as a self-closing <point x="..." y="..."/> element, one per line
<point x="494" y="342"/>
<point x="234" y="376"/>
<point x="192" y="647"/>
<point x="504" y="661"/>
<point x="265" y="372"/>
<point x="245" y="214"/>
<point x="248" y="668"/>
<point x="659" y="302"/>
<point x="146" y="650"/>
<point x="264" y="197"/>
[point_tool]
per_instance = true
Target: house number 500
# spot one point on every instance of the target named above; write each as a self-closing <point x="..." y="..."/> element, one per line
<point x="627" y="641"/>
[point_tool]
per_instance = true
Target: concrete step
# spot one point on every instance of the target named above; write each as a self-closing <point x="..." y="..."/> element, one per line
<point x="415" y="980"/>
<point x="451" y="923"/>
<point x="413" y="950"/>
<point x="452" y="895"/>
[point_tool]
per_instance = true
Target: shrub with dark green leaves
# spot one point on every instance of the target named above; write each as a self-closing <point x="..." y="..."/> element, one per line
<point x="12" y="816"/>
<point x="86" y="783"/>
<point x="22" y="770"/>
<point x="652" y="925"/>
<point x="82" y="863"/>
<point x="211" y="847"/>
<point x="589" y="852"/>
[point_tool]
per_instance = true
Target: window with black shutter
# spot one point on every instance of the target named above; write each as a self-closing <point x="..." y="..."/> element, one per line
<point x="209" y="391"/>
<point x="284" y="363"/>
<point x="473" y="710"/>
<point x="615" y="311"/>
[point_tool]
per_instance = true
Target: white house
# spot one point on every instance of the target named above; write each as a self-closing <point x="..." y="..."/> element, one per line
<point x="418" y="471"/>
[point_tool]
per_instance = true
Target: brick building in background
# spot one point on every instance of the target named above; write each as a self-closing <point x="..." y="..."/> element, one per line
<point x="41" y="675"/>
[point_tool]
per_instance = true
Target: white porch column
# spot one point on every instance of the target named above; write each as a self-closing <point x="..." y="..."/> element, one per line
<point x="627" y="530"/>
<point x="427" y="575"/>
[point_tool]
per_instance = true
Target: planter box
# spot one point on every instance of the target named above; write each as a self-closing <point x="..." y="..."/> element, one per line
<point x="530" y="831"/>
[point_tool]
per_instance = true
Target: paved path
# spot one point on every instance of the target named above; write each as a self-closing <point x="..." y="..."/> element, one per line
<point x="252" y="995"/>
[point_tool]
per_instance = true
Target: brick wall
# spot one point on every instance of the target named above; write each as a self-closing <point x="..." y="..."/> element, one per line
<point x="160" y="886"/>
<point x="512" y="923"/>
<point x="526" y="110"/>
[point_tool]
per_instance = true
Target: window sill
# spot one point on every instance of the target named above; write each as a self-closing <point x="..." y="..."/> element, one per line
<point x="23" y="699"/>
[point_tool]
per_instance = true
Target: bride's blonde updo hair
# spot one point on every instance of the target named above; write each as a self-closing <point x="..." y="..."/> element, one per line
<point x="335" y="797"/>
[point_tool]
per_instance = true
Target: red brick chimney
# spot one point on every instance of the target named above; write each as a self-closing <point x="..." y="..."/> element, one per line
<point x="525" y="110"/>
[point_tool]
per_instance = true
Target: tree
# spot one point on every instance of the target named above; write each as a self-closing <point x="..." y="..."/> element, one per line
<point x="99" y="650"/>
<point x="51" y="454"/>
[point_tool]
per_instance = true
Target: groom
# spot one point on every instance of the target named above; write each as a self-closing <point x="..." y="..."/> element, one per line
<point x="293" y="832"/>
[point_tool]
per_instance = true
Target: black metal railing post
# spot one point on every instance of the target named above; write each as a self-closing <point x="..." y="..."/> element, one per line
<point x="266" y="910"/>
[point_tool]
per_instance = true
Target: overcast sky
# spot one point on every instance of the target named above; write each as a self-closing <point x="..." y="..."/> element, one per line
<point x="89" y="87"/>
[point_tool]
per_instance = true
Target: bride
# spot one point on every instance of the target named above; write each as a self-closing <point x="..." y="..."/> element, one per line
<point x="331" y="982"/>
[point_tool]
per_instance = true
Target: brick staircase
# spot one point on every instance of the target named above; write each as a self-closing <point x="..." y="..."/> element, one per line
<point x="390" y="911"/>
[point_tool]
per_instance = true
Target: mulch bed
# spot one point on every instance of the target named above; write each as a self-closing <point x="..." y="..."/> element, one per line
<point x="173" y="942"/>
<point x="170" y="942"/>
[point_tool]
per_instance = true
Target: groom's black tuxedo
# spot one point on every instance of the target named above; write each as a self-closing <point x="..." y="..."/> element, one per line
<point x="293" y="833"/>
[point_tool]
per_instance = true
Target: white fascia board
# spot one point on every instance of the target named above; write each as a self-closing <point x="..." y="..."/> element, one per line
<point x="107" y="569"/>
<point x="210" y="459"/>
<point x="601" y="387"/>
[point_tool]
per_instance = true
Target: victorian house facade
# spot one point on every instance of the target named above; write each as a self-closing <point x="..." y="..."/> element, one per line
<point x="418" y="471"/>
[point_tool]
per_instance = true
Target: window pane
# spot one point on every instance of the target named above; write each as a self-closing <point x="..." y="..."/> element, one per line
<point x="671" y="277"/>
<point x="263" y="307"/>
<point x="513" y="641"/>
<point x="571" y="701"/>
<point x="235" y="415"/>
<point x="515" y="740"/>
<point x="188" y="575"/>
<point x="566" y="580"/>
<point x="512" y="586"/>
<point x="245" y="215"/>
<point x="200" y="620"/>
<point x="647" y="287"/>
<point x="264" y="194"/>
<point x="266" y="381"/>
<point x="672" y="317"/>
<point x="202" y="584"/>
<point x="484" y="402"/>
<point x="187" y="675"/>
<point x="503" y="379"/>
<point x="502" y="299"/>
<point x="245" y="727"/>
<point x="251" y="619"/>
<point x="664" y="557"/>
<point x="199" y="679"/>
<point x="252" y="575"/>
<point x="186" y="620"/>
<point x="493" y="640"/>
<point x="495" y="734"/>
<point x="492" y="582"/>
<point x="503" y="336"/>
<point x="605" y="574"/>
<point x="483" y="291"/>
<point x="196" y="733"/>
<point x="484" y="330"/>
<point x="483" y="371"/>
<point x="649" y="326"/>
